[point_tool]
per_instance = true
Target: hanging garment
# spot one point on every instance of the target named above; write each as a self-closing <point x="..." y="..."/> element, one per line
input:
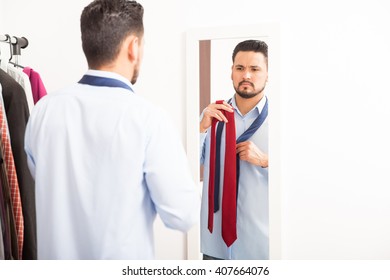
<point x="10" y="239"/>
<point x="2" y="213"/>
<point x="2" y="256"/>
<point x="13" y="181"/>
<point x="21" y="78"/>
<point x="17" y="113"/>
<point x="3" y="64"/>
<point x="37" y="86"/>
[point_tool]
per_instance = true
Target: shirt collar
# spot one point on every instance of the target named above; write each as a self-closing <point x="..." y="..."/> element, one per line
<point x="107" y="74"/>
<point x="259" y="106"/>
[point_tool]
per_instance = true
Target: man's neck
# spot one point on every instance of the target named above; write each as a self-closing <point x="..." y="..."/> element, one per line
<point x="115" y="68"/>
<point x="245" y="105"/>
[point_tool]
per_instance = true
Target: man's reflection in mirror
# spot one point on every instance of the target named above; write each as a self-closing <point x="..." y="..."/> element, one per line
<point x="234" y="154"/>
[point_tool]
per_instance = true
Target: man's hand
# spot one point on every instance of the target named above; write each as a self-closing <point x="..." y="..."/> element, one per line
<point x="251" y="153"/>
<point x="213" y="111"/>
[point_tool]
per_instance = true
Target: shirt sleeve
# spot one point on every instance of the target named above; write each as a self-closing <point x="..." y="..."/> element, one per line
<point x="168" y="177"/>
<point x="202" y="140"/>
<point x="202" y="148"/>
<point x="27" y="149"/>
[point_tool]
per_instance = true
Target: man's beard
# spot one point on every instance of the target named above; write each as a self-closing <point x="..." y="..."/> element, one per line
<point x="135" y="74"/>
<point x="248" y="95"/>
<point x="135" y="77"/>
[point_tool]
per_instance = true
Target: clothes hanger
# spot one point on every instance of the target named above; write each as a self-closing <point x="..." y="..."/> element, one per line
<point x="11" y="52"/>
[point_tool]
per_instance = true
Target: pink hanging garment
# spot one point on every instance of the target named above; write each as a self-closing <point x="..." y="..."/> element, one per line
<point x="37" y="86"/>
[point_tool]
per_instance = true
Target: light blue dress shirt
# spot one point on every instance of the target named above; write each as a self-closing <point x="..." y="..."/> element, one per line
<point x="105" y="162"/>
<point x="252" y="203"/>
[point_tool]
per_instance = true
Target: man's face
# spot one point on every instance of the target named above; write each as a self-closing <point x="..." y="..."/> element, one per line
<point x="249" y="74"/>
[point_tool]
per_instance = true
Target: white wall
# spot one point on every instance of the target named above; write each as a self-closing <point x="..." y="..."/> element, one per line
<point x="335" y="66"/>
<point x="1" y="13"/>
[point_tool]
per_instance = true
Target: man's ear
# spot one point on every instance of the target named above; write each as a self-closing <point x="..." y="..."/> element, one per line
<point x="133" y="48"/>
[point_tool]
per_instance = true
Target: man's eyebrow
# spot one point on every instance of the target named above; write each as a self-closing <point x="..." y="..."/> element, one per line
<point x="252" y="66"/>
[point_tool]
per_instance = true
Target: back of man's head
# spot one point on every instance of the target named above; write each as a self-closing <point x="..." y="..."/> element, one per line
<point x="104" y="25"/>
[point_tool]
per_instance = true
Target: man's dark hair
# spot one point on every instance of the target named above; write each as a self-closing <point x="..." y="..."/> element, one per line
<point x="252" y="46"/>
<point x="105" y="24"/>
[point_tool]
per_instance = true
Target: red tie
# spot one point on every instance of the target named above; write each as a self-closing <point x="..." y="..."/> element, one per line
<point x="229" y="195"/>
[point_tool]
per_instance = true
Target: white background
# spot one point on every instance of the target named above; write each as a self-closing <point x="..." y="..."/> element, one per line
<point x="335" y="104"/>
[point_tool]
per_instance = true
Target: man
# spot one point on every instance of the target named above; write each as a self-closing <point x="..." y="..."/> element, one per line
<point x="235" y="225"/>
<point x="104" y="160"/>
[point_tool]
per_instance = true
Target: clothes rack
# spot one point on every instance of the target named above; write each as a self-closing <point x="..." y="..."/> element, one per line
<point x="16" y="92"/>
<point x="16" y="44"/>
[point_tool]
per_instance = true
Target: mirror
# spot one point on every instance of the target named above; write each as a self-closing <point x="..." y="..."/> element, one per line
<point x="209" y="64"/>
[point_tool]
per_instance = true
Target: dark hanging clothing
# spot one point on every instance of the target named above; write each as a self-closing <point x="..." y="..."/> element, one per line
<point x="10" y="238"/>
<point x="17" y="112"/>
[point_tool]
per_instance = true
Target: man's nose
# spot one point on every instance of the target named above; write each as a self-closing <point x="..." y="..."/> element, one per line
<point x="247" y="75"/>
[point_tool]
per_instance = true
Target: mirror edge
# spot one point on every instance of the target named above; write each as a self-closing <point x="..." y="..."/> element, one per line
<point x="193" y="36"/>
